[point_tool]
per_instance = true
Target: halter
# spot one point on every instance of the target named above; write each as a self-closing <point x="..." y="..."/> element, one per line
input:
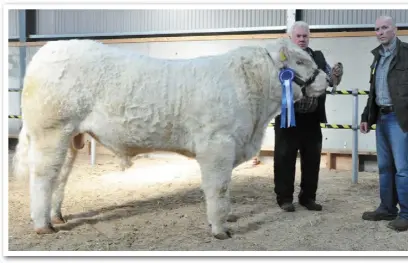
<point x="302" y="83"/>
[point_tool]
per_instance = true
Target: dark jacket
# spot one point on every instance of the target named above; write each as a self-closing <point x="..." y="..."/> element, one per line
<point x="321" y="63"/>
<point x="397" y="83"/>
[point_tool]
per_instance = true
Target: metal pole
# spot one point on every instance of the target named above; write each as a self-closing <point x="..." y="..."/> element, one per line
<point x="355" y="137"/>
<point x="23" y="50"/>
<point x="290" y="18"/>
<point x="93" y="150"/>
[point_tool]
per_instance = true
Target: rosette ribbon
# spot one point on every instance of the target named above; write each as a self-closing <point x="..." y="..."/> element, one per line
<point x="286" y="77"/>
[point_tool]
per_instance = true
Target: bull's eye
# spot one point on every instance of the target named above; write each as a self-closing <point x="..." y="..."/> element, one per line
<point x="299" y="62"/>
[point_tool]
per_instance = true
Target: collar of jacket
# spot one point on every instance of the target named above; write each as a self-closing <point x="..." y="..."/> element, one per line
<point x="309" y="51"/>
<point x="399" y="45"/>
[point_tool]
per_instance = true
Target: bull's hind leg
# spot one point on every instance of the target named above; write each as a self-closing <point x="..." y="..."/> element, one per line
<point x="216" y="169"/>
<point x="47" y="155"/>
<point x="59" y="190"/>
<point x="125" y="162"/>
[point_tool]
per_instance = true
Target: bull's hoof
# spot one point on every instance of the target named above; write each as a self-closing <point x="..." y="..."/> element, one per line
<point x="125" y="166"/>
<point x="57" y="220"/>
<point x="45" y="230"/>
<point x="232" y="218"/>
<point x="224" y="235"/>
<point x="256" y="161"/>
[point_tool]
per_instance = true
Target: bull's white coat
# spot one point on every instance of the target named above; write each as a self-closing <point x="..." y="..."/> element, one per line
<point x="213" y="108"/>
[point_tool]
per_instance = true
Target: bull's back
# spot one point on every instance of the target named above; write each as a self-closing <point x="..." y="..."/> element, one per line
<point x="142" y="100"/>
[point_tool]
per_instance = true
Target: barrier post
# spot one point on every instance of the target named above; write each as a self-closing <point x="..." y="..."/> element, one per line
<point x="93" y="150"/>
<point x="23" y="51"/>
<point x="290" y="18"/>
<point x="355" y="128"/>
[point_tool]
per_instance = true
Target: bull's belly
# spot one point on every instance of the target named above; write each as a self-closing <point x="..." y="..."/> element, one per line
<point x="130" y="139"/>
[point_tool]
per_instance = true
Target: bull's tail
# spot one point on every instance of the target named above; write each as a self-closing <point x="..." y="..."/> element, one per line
<point x="20" y="165"/>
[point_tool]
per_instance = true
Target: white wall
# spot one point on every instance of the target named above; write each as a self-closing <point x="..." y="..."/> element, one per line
<point x="13" y="83"/>
<point x="353" y="52"/>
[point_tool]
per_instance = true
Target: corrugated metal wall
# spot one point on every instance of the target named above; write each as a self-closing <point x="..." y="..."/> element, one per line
<point x="58" y="22"/>
<point x="356" y="18"/>
<point x="13" y="24"/>
<point x="105" y="22"/>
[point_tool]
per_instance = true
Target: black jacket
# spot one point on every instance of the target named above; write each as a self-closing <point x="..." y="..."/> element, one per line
<point x="397" y="84"/>
<point x="321" y="63"/>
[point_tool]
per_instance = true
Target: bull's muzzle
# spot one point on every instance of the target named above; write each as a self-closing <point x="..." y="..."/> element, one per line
<point x="304" y="83"/>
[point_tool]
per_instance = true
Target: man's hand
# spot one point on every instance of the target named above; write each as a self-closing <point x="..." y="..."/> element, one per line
<point x="364" y="127"/>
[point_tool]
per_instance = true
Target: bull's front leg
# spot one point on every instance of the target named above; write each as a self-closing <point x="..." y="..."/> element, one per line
<point x="216" y="169"/>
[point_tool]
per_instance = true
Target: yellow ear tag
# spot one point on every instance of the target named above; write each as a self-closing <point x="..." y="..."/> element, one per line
<point x="282" y="56"/>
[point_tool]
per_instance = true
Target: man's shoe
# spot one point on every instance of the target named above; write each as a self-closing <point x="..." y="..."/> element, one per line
<point x="399" y="224"/>
<point x="288" y="207"/>
<point x="311" y="205"/>
<point x="377" y="216"/>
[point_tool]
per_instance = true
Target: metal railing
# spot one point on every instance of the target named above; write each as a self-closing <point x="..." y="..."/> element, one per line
<point x="354" y="126"/>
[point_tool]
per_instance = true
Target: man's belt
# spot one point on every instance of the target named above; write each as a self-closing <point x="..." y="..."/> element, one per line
<point x="386" y="109"/>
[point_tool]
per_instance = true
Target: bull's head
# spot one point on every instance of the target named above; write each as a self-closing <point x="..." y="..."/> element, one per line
<point x="308" y="79"/>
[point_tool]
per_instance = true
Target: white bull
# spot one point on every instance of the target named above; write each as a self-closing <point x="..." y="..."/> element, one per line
<point x="214" y="109"/>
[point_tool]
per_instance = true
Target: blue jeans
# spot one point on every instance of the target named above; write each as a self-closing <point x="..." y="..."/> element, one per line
<point x="392" y="156"/>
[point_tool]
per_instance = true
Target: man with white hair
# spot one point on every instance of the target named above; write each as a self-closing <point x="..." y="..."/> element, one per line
<point x="387" y="107"/>
<point x="305" y="137"/>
